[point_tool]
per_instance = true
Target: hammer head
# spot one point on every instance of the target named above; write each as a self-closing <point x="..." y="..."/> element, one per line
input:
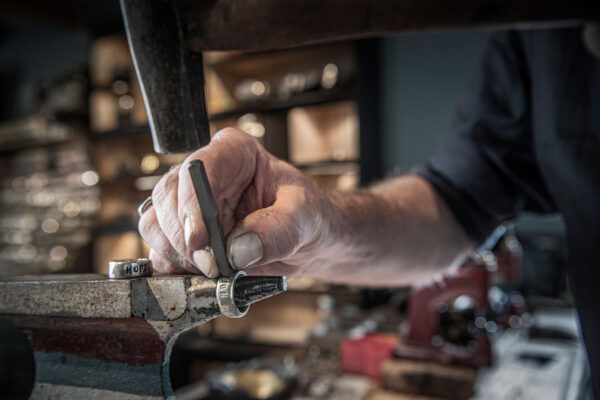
<point x="171" y="77"/>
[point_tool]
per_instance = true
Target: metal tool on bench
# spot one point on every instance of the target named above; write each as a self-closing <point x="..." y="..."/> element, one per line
<point x="450" y="318"/>
<point x="441" y="320"/>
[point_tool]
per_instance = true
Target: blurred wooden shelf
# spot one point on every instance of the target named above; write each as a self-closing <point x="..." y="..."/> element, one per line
<point x="280" y="104"/>
<point x="269" y="105"/>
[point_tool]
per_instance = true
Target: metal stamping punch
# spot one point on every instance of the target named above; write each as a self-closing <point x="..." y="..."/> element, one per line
<point x="210" y="215"/>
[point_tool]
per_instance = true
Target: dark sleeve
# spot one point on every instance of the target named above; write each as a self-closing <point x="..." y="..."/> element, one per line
<point x="484" y="166"/>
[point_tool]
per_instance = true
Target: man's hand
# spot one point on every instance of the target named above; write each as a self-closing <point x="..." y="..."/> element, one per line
<point x="276" y="222"/>
<point x="273" y="217"/>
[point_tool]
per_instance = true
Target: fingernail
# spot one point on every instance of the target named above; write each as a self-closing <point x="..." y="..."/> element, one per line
<point x="245" y="250"/>
<point x="188" y="228"/>
<point x="205" y="261"/>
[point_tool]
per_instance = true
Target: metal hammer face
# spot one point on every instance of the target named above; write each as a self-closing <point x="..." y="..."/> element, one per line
<point x="171" y="77"/>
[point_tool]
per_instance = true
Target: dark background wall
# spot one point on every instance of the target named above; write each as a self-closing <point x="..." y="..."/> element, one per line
<point x="423" y="77"/>
<point x="30" y="53"/>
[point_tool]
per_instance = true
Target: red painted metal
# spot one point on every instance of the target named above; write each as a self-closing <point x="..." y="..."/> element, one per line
<point x="424" y="302"/>
<point x="509" y="266"/>
<point x="130" y="341"/>
<point x="424" y="319"/>
<point x="364" y="356"/>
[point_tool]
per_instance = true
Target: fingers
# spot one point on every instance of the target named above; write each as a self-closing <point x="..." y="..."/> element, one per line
<point x="152" y="233"/>
<point x="162" y="266"/>
<point x="230" y="162"/>
<point x="174" y="227"/>
<point x="171" y="240"/>
<point x="206" y="262"/>
<point x="164" y="201"/>
<point x="270" y="234"/>
<point x="268" y="196"/>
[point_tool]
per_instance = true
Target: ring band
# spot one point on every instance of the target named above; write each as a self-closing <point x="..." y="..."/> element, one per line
<point x="146" y="204"/>
<point x="130" y="268"/>
<point x="226" y="298"/>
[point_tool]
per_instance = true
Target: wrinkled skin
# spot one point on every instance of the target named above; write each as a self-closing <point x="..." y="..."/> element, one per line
<point x="254" y="192"/>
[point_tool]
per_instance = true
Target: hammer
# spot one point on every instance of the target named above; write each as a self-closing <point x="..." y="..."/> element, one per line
<point x="171" y="77"/>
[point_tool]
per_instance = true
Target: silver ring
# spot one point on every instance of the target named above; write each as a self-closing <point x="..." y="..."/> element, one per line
<point x="130" y="268"/>
<point x="226" y="299"/>
<point x="146" y="204"/>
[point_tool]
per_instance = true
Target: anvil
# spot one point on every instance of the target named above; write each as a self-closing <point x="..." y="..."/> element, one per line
<point x="95" y="338"/>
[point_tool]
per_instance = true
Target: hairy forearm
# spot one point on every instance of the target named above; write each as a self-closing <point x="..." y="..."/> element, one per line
<point x="397" y="232"/>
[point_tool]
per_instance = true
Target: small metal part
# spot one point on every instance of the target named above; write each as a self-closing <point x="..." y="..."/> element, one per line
<point x="226" y="297"/>
<point x="210" y="214"/>
<point x="146" y="204"/>
<point x="129" y="268"/>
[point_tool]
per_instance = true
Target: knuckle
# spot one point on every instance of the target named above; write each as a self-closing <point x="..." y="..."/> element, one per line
<point x="234" y="135"/>
<point x="173" y="231"/>
<point x="165" y="184"/>
<point x="145" y="226"/>
<point x="228" y="132"/>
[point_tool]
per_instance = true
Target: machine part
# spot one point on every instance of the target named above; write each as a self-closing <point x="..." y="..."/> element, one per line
<point x="95" y="337"/>
<point x="442" y="320"/>
<point x="226" y="297"/>
<point x="130" y="268"/>
<point x="171" y="77"/>
<point x="146" y="204"/>
<point x="210" y="214"/>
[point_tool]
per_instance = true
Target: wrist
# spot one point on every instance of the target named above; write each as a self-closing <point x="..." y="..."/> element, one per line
<point x="328" y="222"/>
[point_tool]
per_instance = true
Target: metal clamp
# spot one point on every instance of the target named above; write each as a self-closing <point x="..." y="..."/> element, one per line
<point x="226" y="298"/>
<point x="130" y="268"/>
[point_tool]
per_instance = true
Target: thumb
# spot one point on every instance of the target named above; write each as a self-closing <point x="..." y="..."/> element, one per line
<point x="267" y="235"/>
